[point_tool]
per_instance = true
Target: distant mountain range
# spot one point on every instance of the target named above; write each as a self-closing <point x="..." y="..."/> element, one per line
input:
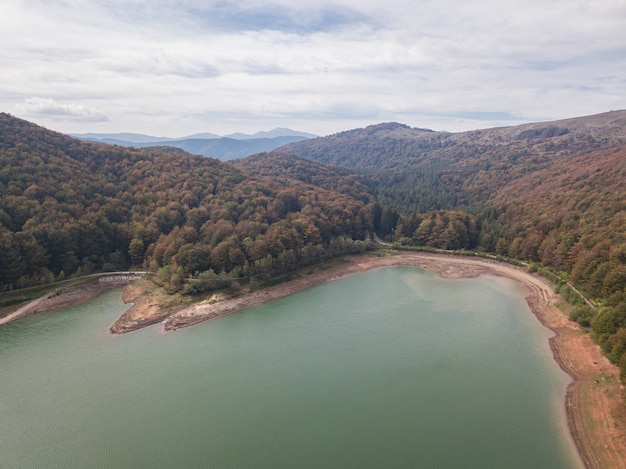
<point x="224" y="148"/>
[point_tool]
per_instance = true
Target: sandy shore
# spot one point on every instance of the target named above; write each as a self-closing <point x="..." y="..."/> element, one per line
<point x="594" y="400"/>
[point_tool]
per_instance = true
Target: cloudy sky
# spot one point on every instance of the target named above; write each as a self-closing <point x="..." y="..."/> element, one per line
<point x="177" y="67"/>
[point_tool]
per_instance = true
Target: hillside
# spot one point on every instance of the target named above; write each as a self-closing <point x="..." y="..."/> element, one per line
<point x="462" y="169"/>
<point x="69" y="207"/>
<point x="396" y="146"/>
<point x="285" y="167"/>
<point x="552" y="193"/>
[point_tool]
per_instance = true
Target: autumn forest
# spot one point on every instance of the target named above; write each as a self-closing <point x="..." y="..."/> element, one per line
<point x="550" y="196"/>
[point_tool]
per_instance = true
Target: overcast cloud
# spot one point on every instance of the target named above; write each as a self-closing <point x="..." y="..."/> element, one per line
<point x="177" y="67"/>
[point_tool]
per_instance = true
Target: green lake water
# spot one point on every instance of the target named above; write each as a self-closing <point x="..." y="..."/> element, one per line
<point x="393" y="368"/>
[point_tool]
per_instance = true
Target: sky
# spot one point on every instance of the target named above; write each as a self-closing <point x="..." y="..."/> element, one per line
<point x="178" y="67"/>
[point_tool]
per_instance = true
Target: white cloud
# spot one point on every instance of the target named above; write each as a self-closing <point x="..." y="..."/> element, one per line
<point x="49" y="107"/>
<point x="181" y="66"/>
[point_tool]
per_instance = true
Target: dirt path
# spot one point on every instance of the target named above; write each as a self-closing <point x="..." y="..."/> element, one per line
<point x="25" y="310"/>
<point x="65" y="296"/>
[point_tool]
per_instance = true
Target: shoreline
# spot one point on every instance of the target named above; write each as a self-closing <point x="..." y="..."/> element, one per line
<point x="594" y="399"/>
<point x="61" y="297"/>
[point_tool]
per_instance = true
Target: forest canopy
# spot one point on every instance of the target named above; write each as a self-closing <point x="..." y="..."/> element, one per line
<point x="69" y="208"/>
<point x="551" y="195"/>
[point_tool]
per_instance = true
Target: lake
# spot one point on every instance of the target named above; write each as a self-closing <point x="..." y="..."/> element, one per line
<point x="395" y="367"/>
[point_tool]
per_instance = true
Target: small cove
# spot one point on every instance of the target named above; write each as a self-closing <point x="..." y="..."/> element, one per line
<point x="391" y="368"/>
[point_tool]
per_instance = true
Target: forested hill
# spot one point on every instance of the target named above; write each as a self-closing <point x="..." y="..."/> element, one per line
<point x="396" y="146"/>
<point x="552" y="194"/>
<point x="69" y="207"/>
<point x="459" y="169"/>
<point x="285" y="167"/>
